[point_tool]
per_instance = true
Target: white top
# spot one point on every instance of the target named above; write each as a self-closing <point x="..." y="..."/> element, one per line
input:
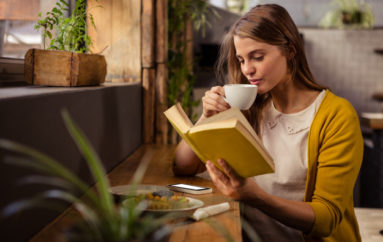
<point x="285" y="136"/>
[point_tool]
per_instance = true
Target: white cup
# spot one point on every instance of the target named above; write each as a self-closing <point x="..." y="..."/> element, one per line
<point x="241" y="96"/>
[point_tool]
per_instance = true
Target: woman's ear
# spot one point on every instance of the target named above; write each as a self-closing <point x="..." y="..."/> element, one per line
<point x="292" y="51"/>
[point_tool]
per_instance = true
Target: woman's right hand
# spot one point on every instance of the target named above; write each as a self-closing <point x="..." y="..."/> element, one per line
<point x="213" y="101"/>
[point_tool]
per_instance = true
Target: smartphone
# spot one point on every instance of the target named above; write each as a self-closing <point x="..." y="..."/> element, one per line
<point x="189" y="188"/>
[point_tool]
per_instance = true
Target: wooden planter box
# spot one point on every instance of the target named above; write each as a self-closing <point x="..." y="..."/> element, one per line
<point x="63" y="68"/>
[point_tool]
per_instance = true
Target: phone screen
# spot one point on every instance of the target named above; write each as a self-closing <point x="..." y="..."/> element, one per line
<point x="196" y="188"/>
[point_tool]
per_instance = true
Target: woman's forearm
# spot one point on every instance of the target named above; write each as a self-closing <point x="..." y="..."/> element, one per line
<point x="296" y="214"/>
<point x="186" y="162"/>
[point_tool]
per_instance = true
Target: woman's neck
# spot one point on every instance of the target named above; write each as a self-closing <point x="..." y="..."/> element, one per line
<point x="291" y="97"/>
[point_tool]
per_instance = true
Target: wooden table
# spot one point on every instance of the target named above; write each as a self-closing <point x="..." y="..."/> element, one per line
<point x="159" y="172"/>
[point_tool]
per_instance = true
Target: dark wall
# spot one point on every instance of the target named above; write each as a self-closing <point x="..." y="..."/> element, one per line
<point x="109" y="116"/>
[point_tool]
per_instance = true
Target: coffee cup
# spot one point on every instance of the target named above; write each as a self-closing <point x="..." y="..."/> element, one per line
<point x="241" y="96"/>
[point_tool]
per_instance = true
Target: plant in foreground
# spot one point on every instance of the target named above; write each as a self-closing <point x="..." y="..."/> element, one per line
<point x="102" y="219"/>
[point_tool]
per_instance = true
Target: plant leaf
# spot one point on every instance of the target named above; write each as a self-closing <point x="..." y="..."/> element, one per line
<point x="38" y="201"/>
<point x="219" y="228"/>
<point x="43" y="163"/>
<point x="47" y="180"/>
<point x="49" y="34"/>
<point x="56" y="10"/>
<point x="65" y="3"/>
<point x="94" y="163"/>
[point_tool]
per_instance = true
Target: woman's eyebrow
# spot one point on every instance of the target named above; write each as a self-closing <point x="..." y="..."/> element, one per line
<point x="256" y="51"/>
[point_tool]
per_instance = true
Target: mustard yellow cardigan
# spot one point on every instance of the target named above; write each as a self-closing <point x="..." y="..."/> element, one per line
<point x="335" y="153"/>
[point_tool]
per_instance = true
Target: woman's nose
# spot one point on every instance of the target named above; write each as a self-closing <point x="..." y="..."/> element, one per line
<point x="248" y="69"/>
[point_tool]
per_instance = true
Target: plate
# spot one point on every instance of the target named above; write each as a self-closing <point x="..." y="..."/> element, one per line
<point x="139" y="189"/>
<point x="193" y="204"/>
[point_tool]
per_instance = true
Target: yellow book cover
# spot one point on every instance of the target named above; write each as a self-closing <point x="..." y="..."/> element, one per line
<point x="227" y="135"/>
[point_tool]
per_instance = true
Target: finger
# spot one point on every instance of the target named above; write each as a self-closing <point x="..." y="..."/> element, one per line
<point x="216" y="100"/>
<point x="229" y="171"/>
<point x="219" y="90"/>
<point x="217" y="175"/>
<point x="219" y="97"/>
<point x="212" y="106"/>
<point x="221" y="182"/>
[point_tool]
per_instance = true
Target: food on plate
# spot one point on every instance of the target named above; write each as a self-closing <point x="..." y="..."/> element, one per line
<point x="157" y="202"/>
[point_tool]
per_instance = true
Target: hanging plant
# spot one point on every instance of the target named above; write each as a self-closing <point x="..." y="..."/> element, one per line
<point x="181" y="77"/>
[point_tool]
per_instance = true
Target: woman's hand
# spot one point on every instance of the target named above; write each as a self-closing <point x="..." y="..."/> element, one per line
<point x="229" y="182"/>
<point x="297" y="214"/>
<point x="213" y="101"/>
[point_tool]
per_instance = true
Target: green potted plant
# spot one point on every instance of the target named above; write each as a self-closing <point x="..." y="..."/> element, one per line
<point x="66" y="61"/>
<point x="349" y="14"/>
<point x="101" y="217"/>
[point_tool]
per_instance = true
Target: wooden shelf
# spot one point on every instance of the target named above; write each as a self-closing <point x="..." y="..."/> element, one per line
<point x="378" y="96"/>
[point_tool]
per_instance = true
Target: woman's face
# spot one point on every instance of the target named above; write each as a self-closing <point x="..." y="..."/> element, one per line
<point x="262" y="64"/>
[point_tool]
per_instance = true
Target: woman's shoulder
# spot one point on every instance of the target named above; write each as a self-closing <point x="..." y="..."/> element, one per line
<point x="335" y="115"/>
<point x="335" y="105"/>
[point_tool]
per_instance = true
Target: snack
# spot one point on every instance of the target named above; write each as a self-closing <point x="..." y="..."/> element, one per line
<point x="157" y="202"/>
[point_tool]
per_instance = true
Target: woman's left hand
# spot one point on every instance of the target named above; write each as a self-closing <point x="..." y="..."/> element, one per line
<point x="229" y="182"/>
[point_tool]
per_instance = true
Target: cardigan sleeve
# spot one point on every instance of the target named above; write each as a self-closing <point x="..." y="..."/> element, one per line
<point x="339" y="159"/>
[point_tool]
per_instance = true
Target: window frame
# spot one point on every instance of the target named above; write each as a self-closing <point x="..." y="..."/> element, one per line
<point x="12" y="72"/>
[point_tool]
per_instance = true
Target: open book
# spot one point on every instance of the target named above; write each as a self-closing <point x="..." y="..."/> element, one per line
<point x="227" y="135"/>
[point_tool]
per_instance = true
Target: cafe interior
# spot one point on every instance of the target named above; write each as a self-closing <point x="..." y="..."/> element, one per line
<point x="93" y="138"/>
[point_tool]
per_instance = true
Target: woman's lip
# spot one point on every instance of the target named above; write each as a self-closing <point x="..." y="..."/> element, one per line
<point x="255" y="81"/>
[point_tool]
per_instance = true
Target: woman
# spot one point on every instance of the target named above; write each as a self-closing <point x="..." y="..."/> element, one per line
<point x="313" y="136"/>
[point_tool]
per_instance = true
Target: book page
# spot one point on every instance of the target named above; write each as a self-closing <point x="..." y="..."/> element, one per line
<point x="218" y="124"/>
<point x="177" y="116"/>
<point x="232" y="113"/>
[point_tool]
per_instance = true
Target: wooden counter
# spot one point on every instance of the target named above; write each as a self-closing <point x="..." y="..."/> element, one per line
<point x="372" y="120"/>
<point x="159" y="173"/>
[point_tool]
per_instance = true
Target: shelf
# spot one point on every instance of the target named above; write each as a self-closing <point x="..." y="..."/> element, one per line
<point x="378" y="96"/>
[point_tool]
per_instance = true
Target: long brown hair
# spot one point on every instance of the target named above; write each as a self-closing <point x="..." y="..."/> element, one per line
<point x="271" y="24"/>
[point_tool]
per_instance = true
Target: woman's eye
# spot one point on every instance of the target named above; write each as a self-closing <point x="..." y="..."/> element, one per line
<point x="258" y="58"/>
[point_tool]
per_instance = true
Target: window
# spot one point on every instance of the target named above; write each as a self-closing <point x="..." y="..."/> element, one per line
<point x="17" y="34"/>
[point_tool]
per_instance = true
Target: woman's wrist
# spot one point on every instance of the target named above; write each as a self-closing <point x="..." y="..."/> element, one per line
<point x="253" y="195"/>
